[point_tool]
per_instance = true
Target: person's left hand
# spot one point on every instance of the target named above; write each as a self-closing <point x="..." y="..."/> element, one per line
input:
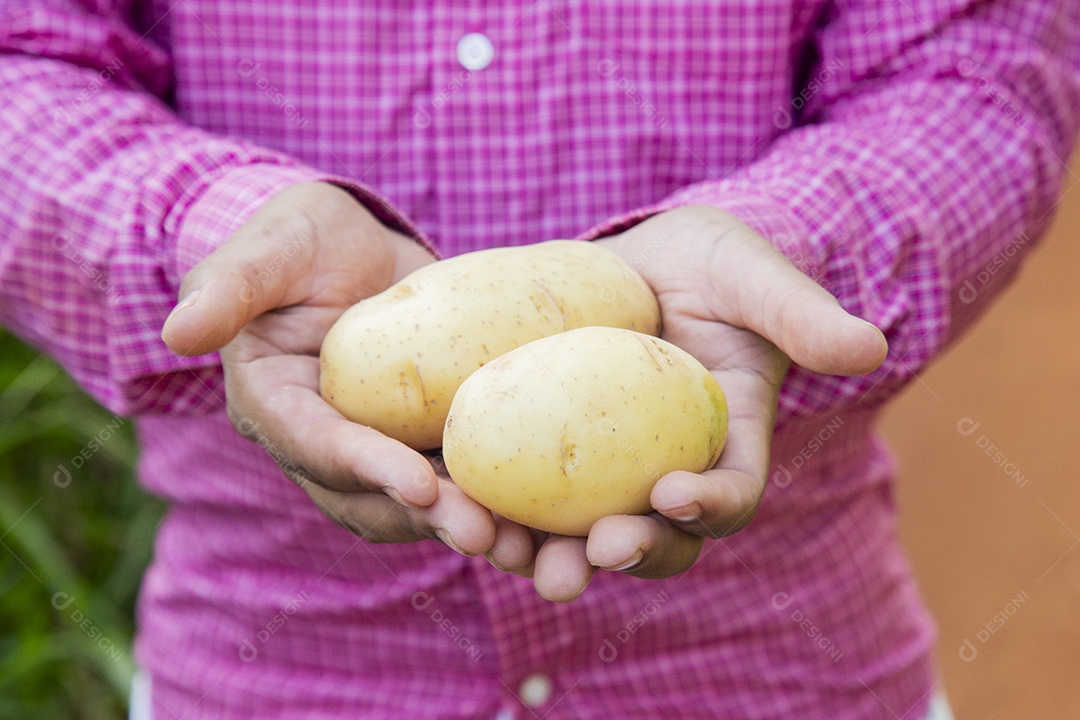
<point x="732" y="300"/>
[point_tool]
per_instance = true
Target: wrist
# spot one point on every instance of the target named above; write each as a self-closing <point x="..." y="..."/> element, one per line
<point x="774" y="220"/>
<point x="223" y="205"/>
<point x="392" y="252"/>
<point x="687" y="231"/>
<point x="409" y="255"/>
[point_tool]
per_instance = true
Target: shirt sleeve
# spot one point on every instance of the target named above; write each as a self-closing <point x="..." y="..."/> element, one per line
<point x="923" y="153"/>
<point x="107" y="198"/>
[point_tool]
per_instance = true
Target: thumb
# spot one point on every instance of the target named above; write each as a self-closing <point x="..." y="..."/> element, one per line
<point x="804" y="320"/>
<point x="259" y="268"/>
<point x="821" y="336"/>
<point x="267" y="264"/>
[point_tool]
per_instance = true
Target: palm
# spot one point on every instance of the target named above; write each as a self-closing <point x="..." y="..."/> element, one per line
<point x="750" y="370"/>
<point x="729" y="298"/>
<point x="699" y="315"/>
<point x="279" y="350"/>
<point x="276" y="354"/>
<point x="266" y="298"/>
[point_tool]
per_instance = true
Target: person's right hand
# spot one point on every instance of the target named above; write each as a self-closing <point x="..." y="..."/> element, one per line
<point x="266" y="299"/>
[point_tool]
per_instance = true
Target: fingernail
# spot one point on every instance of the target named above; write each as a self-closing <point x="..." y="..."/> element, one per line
<point x="497" y="566"/>
<point x="394" y="495"/>
<point x="869" y="324"/>
<point x="449" y="542"/>
<point x="190" y="299"/>
<point x="629" y="564"/>
<point x="687" y="513"/>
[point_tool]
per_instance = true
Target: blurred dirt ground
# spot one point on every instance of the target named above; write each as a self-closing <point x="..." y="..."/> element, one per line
<point x="991" y="518"/>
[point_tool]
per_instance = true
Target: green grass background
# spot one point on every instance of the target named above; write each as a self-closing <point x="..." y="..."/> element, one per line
<point x="90" y="538"/>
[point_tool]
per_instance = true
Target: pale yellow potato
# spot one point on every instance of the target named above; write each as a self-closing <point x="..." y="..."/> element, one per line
<point x="394" y="361"/>
<point x="569" y="429"/>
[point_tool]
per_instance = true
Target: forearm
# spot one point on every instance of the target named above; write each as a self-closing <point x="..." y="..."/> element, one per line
<point x="107" y="198"/>
<point x="906" y="179"/>
<point x="92" y="217"/>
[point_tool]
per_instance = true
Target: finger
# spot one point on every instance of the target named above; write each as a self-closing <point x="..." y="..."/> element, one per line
<point x="459" y="521"/>
<point x="265" y="264"/>
<point x="711" y="504"/>
<point x="776" y="300"/>
<point x="724" y="499"/>
<point x="644" y="546"/>
<point x="454" y="519"/>
<point x="513" y="550"/>
<point x="562" y="570"/>
<point x="275" y="401"/>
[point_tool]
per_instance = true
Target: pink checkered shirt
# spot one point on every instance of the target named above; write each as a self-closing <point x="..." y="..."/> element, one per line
<point x="895" y="151"/>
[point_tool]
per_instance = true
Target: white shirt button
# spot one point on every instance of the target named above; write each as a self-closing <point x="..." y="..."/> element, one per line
<point x="504" y="714"/>
<point x="535" y="690"/>
<point x="475" y="51"/>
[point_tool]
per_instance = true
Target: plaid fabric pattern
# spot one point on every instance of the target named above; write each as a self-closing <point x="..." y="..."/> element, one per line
<point x="893" y="150"/>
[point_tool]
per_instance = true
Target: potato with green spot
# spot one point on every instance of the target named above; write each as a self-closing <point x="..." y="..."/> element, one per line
<point x="569" y="429"/>
<point x="394" y="361"/>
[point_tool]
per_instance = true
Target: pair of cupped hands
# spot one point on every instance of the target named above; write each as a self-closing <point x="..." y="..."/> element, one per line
<point x="726" y="295"/>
